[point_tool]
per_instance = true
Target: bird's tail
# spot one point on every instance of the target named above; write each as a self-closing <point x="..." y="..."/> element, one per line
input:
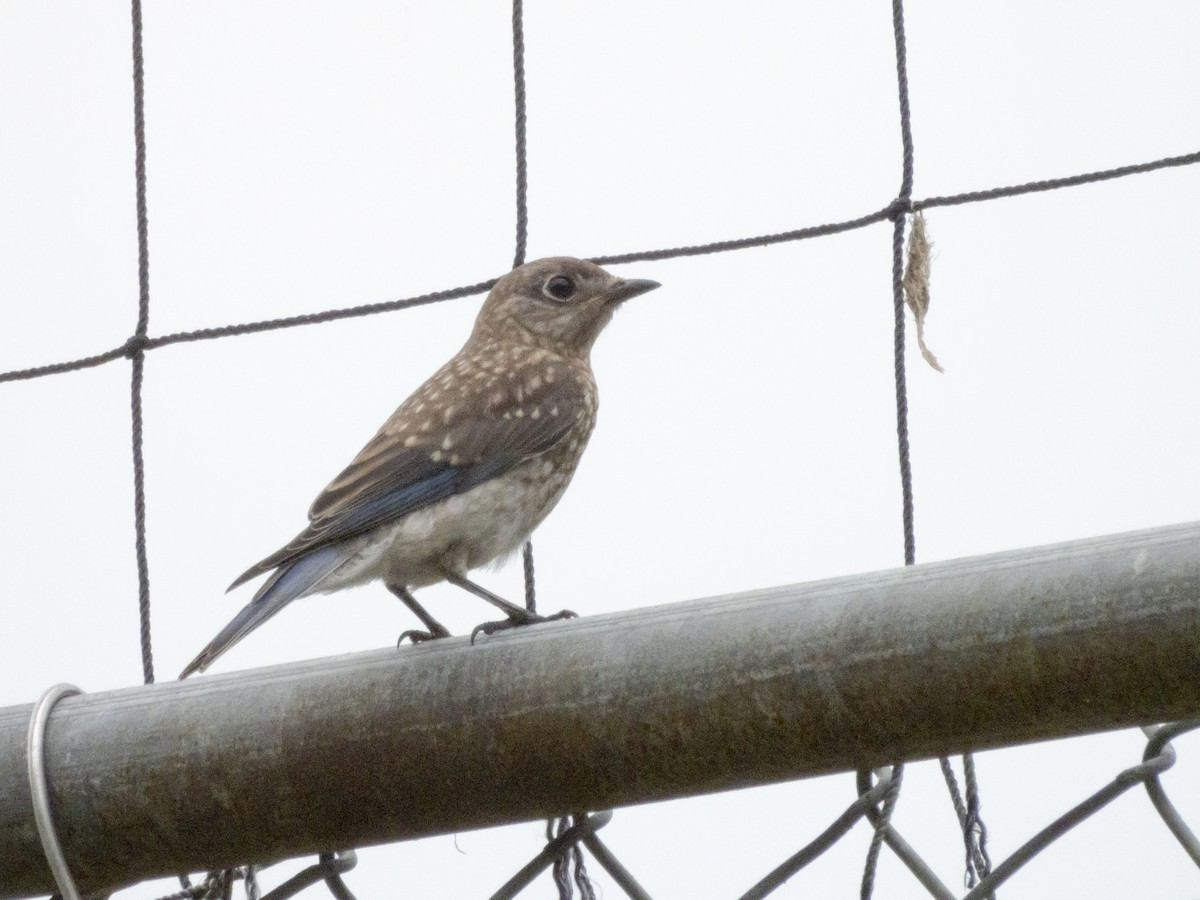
<point x="285" y="585"/>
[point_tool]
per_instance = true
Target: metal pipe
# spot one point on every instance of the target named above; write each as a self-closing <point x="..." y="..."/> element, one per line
<point x="655" y="703"/>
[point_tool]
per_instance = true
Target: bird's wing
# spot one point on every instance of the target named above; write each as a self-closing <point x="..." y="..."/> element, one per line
<point x="404" y="468"/>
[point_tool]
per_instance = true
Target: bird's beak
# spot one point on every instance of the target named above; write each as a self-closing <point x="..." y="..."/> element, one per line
<point x="627" y="288"/>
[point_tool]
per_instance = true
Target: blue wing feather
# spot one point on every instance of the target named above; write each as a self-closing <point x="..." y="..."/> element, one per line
<point x="303" y="570"/>
<point x="383" y="503"/>
<point x="369" y="511"/>
<point x="392" y="478"/>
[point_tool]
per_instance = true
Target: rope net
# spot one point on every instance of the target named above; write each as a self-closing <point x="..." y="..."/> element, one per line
<point x="574" y="843"/>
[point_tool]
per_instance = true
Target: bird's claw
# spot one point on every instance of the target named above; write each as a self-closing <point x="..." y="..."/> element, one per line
<point x="527" y="618"/>
<point x="419" y="637"/>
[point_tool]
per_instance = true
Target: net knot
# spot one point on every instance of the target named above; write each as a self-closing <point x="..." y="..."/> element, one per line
<point x="899" y="208"/>
<point x="135" y="346"/>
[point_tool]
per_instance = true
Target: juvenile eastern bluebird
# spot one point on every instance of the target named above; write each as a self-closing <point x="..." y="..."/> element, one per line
<point x="466" y="467"/>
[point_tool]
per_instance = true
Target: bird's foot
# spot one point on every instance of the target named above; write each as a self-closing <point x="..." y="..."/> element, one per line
<point x="526" y="618"/>
<point x="435" y="628"/>
<point x="419" y="637"/>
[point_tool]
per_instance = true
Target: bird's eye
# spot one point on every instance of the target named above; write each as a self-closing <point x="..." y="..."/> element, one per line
<point x="560" y="287"/>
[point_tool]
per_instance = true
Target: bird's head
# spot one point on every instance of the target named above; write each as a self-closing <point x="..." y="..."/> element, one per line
<point x="560" y="302"/>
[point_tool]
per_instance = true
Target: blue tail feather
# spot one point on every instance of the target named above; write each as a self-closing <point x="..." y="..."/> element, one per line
<point x="284" y="586"/>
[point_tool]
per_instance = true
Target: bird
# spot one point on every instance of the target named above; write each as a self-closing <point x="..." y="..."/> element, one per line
<point x="465" y="468"/>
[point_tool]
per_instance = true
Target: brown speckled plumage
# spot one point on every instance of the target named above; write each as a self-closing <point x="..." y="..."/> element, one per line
<point x="467" y="466"/>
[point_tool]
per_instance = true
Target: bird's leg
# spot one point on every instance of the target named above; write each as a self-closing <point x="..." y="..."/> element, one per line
<point x="517" y="615"/>
<point x="436" y="628"/>
<point x="509" y="609"/>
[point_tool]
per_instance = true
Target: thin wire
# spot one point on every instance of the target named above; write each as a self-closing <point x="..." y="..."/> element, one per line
<point x="614" y="867"/>
<point x="899" y="846"/>
<point x="329" y="868"/>
<point x="138" y="345"/>
<point x="1125" y="780"/>
<point x="558" y="840"/>
<point x="1159" y="744"/>
<point x="882" y="824"/>
<point x="39" y="791"/>
<point x="826" y="839"/>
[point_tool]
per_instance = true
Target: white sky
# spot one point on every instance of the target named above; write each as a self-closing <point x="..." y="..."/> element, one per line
<point x="310" y="155"/>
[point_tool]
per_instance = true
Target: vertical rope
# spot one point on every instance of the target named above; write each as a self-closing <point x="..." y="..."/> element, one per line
<point x="956" y="798"/>
<point x="898" y="215"/>
<point x="979" y="863"/>
<point x="561" y="870"/>
<point x="586" y="890"/>
<point x="136" y="349"/>
<point x="520" y="120"/>
<point x="899" y="208"/>
<point x="901" y="379"/>
<point x="530" y="589"/>
<point x="563" y="864"/>
<point x="974" y="832"/>
<point x="520" y="123"/>
<point x="906" y="141"/>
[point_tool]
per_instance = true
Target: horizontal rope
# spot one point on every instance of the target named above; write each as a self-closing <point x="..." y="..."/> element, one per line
<point x="891" y="211"/>
<point x="1052" y="184"/>
<point x="133" y="345"/>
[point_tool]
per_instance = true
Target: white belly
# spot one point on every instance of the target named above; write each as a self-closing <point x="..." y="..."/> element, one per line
<point x="458" y="534"/>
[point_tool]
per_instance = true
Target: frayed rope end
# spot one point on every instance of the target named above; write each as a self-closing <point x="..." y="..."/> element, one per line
<point x="916" y="283"/>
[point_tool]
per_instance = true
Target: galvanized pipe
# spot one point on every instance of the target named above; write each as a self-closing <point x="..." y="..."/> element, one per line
<point x="662" y="702"/>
